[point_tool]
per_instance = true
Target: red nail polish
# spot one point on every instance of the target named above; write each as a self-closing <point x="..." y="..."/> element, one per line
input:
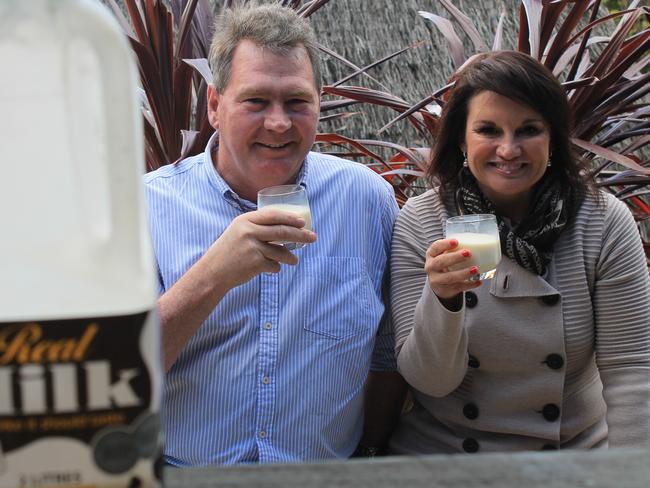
<point x="473" y="270"/>
<point x="465" y="253"/>
<point x="453" y="243"/>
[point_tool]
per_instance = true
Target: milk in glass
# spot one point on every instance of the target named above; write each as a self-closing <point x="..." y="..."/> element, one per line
<point x="299" y="210"/>
<point x="485" y="251"/>
<point x="287" y="198"/>
<point x="479" y="234"/>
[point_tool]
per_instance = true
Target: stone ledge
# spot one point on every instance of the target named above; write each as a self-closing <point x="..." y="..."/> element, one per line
<point x="616" y="468"/>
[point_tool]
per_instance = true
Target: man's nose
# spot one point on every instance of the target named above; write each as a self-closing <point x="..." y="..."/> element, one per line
<point x="277" y="119"/>
<point x="509" y="148"/>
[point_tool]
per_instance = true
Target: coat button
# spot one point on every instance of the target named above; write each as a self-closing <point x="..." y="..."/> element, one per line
<point x="470" y="411"/>
<point x="470" y="445"/>
<point x="471" y="299"/>
<point x="473" y="362"/>
<point x="549" y="447"/>
<point x="551" y="412"/>
<point x="550" y="300"/>
<point x="554" y="361"/>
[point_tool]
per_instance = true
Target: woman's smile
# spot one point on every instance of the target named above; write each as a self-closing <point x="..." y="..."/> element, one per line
<point x="509" y="169"/>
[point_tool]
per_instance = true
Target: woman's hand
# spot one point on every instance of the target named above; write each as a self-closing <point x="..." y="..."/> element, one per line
<point x="446" y="284"/>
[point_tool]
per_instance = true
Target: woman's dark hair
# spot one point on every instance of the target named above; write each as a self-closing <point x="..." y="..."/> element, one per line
<point x="523" y="79"/>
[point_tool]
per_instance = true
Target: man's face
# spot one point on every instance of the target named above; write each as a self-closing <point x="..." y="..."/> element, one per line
<point x="266" y="117"/>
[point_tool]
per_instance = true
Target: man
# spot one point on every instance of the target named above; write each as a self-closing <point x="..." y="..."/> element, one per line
<point x="267" y="350"/>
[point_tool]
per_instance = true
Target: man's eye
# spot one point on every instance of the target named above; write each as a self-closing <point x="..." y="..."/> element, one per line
<point x="297" y="102"/>
<point x="255" y="101"/>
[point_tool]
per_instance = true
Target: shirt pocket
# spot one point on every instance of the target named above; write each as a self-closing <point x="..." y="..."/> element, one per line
<point x="337" y="294"/>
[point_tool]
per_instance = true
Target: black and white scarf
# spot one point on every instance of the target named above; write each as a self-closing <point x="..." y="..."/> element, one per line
<point x="530" y="243"/>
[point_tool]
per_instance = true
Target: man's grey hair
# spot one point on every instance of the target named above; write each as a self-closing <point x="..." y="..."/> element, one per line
<point x="270" y="26"/>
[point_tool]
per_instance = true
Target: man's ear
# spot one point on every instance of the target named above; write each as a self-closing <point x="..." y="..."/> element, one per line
<point x="213" y="104"/>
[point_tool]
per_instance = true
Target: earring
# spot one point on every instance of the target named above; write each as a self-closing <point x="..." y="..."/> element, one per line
<point x="549" y="162"/>
<point x="465" y="163"/>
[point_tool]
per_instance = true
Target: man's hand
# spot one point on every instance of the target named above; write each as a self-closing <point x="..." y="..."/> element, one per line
<point x="383" y="400"/>
<point x="242" y="252"/>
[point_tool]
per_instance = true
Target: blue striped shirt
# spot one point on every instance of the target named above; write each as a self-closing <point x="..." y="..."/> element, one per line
<point x="276" y="372"/>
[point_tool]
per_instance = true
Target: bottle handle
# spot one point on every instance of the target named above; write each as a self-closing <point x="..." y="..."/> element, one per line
<point x="124" y="148"/>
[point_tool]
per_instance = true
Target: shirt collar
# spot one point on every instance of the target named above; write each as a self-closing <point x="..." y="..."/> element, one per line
<point x="228" y="194"/>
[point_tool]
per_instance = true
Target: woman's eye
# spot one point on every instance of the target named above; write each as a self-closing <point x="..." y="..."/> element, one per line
<point x="487" y="130"/>
<point x="530" y="130"/>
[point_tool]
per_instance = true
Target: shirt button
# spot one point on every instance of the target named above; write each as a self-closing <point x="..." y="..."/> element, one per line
<point x="266" y="380"/>
<point x="470" y="445"/>
<point x="470" y="411"/>
<point x="471" y="299"/>
<point x="554" y="361"/>
<point x="268" y="326"/>
<point x="550" y="300"/>
<point x="551" y="412"/>
<point x="473" y="362"/>
<point x="262" y="434"/>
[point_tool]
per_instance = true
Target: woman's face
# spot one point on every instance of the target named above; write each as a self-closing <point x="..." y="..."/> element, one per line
<point x="507" y="146"/>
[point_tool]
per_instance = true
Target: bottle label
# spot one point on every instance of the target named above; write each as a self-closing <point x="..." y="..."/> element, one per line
<point x="83" y="384"/>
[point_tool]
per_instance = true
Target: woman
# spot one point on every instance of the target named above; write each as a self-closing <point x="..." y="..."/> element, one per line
<point x="554" y="351"/>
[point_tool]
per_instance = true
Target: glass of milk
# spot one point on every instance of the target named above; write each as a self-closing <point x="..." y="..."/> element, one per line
<point x="480" y="235"/>
<point x="287" y="198"/>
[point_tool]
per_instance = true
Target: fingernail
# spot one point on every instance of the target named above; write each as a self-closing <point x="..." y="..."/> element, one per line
<point x="465" y="253"/>
<point x="453" y="243"/>
<point x="473" y="270"/>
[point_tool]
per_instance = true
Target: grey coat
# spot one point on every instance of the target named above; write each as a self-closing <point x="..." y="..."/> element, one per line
<point x="529" y="362"/>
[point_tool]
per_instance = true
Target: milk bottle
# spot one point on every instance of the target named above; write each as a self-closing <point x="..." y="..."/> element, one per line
<point x="80" y="375"/>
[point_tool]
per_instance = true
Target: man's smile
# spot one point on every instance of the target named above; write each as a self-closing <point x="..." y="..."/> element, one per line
<point x="274" y="146"/>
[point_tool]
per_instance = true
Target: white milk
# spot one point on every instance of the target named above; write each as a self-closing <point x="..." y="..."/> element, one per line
<point x="485" y="249"/>
<point x="299" y="210"/>
<point x="80" y="374"/>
